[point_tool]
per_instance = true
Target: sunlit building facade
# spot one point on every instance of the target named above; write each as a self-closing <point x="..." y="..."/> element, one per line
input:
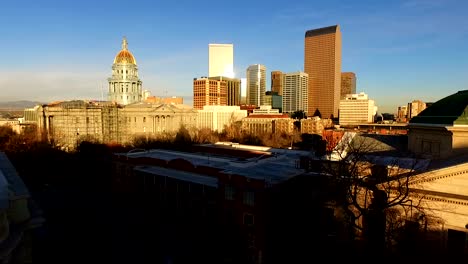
<point x="256" y="84"/>
<point x="125" y="85"/>
<point x="221" y="60"/>
<point x="322" y="61"/>
<point x="295" y="92"/>
<point x="357" y="109"/>
<point x="209" y="92"/>
<point x="348" y="83"/>
<point x="277" y="82"/>
<point x="233" y="89"/>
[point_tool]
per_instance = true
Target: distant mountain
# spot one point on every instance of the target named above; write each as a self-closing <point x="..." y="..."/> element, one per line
<point x="20" y="105"/>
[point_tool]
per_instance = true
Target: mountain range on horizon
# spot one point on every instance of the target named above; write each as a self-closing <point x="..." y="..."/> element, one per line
<point x="20" y="104"/>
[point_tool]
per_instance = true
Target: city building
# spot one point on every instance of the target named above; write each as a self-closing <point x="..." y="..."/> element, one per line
<point x="233" y="89"/>
<point x="125" y="85"/>
<point x="322" y="62"/>
<point x="209" y="92"/>
<point x="153" y="119"/>
<point x="221" y="60"/>
<point x="66" y="123"/>
<point x="356" y="109"/>
<point x="414" y="108"/>
<point x="274" y="100"/>
<point x="265" y="110"/>
<point x="225" y="196"/>
<point x="402" y="114"/>
<point x="165" y="100"/>
<point x="315" y="125"/>
<point x="263" y="121"/>
<point x="295" y="92"/>
<point x="277" y="82"/>
<point x="441" y="130"/>
<point x="216" y="117"/>
<point x="348" y="83"/>
<point x="256" y="84"/>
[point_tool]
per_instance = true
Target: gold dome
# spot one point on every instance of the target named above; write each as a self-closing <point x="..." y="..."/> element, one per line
<point x="124" y="56"/>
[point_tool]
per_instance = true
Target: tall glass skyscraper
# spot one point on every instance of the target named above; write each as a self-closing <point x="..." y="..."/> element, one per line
<point x="256" y="84"/>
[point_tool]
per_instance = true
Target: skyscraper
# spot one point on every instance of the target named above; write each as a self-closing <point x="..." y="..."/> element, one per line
<point x="277" y="82"/>
<point x="295" y="92"/>
<point x="124" y="85"/>
<point x="233" y="89"/>
<point x="322" y="61"/>
<point x="256" y="84"/>
<point x="209" y="92"/>
<point x="221" y="60"/>
<point x="348" y="83"/>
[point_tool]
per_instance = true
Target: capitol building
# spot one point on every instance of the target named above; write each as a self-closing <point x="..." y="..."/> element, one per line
<point x="125" y="116"/>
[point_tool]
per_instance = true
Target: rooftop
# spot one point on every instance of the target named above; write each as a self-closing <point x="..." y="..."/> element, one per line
<point x="272" y="165"/>
<point x="451" y="110"/>
<point x="321" y="31"/>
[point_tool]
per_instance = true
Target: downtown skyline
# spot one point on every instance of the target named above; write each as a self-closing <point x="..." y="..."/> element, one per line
<point x="400" y="51"/>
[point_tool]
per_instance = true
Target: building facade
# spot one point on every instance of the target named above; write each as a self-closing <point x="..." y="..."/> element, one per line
<point x="322" y="62"/>
<point x="209" y="92"/>
<point x="356" y="109"/>
<point x="153" y="119"/>
<point x="348" y="83"/>
<point x="402" y="114"/>
<point x="277" y="82"/>
<point x="125" y="85"/>
<point x="67" y="123"/>
<point x="215" y="117"/>
<point x="274" y="100"/>
<point x="256" y="84"/>
<point x="414" y="108"/>
<point x="233" y="89"/>
<point x="221" y="60"/>
<point x="295" y="92"/>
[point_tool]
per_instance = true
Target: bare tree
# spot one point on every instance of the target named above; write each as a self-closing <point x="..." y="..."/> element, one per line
<point x="371" y="193"/>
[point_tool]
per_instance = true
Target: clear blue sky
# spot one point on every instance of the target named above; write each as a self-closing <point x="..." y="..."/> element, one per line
<point x="400" y="50"/>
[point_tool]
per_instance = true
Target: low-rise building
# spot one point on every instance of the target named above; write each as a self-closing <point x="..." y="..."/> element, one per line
<point x="216" y="117"/>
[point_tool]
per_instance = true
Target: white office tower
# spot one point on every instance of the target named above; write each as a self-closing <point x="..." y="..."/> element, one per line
<point x="295" y="92"/>
<point x="221" y="60"/>
<point x="356" y="109"/>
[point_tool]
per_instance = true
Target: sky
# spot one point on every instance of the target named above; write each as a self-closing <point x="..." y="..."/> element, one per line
<point x="60" y="50"/>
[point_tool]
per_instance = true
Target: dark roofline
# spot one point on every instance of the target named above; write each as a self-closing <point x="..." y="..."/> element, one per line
<point x="321" y="31"/>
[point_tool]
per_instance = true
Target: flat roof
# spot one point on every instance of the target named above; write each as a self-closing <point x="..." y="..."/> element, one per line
<point x="274" y="166"/>
<point x="180" y="175"/>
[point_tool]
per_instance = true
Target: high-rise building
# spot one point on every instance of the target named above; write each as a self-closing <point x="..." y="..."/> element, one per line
<point x="357" y="109"/>
<point x="322" y="61"/>
<point x="348" y="83"/>
<point x="221" y="60"/>
<point x="124" y="85"/>
<point x="415" y="107"/>
<point x="274" y="100"/>
<point x="277" y="82"/>
<point x="209" y="92"/>
<point x="233" y="89"/>
<point x="256" y="84"/>
<point x="295" y="92"/>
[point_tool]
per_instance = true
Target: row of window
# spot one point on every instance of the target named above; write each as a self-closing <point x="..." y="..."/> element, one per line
<point x="248" y="196"/>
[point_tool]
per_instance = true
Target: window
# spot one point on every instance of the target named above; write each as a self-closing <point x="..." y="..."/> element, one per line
<point x="144" y="119"/>
<point x="249" y="198"/>
<point x="248" y="219"/>
<point x="228" y="192"/>
<point x="87" y="120"/>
